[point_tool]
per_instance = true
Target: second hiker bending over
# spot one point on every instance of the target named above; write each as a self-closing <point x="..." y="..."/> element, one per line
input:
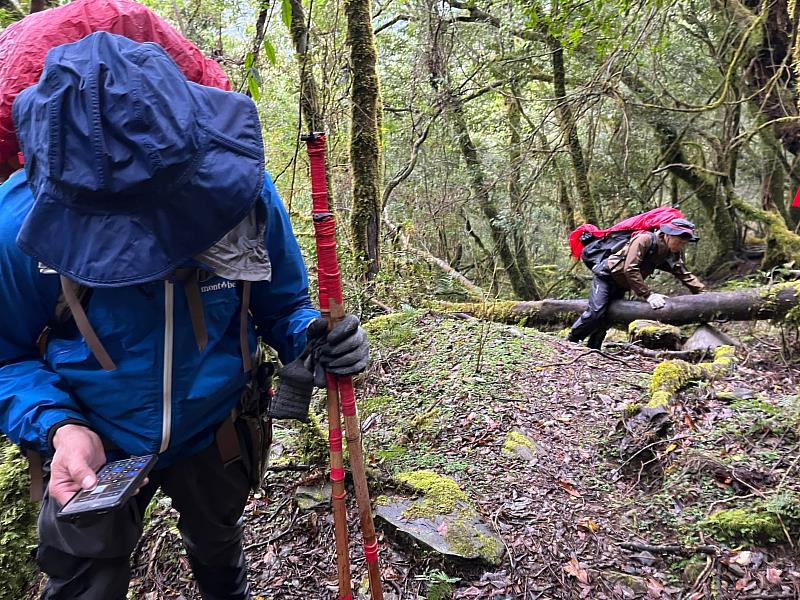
<point x="627" y="270"/>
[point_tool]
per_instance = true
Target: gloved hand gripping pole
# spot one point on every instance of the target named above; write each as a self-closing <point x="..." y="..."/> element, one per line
<point x="340" y="388"/>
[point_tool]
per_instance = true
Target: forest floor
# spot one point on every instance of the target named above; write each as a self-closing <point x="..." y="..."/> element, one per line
<point x="565" y="515"/>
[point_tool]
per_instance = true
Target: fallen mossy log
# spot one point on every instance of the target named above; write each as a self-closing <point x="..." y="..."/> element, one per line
<point x="768" y="302"/>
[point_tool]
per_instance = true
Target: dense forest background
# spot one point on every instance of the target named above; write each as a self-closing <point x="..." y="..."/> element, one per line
<point x="466" y="139"/>
<point x="502" y="125"/>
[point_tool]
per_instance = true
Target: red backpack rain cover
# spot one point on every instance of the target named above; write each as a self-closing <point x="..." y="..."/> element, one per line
<point x="646" y="221"/>
<point x="24" y="45"/>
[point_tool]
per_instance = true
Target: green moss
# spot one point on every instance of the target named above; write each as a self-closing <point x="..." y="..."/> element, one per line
<point x="440" y="590"/>
<point x="313" y="439"/>
<point x="17" y="523"/>
<point x="374" y="404"/>
<point x="672" y="375"/>
<point x="395" y="329"/>
<point x="440" y="494"/>
<point x="653" y="329"/>
<point x="738" y="524"/>
<point x="440" y="585"/>
<point x="760" y="522"/>
<point x="509" y="311"/>
<point x="462" y="541"/>
<point x="514" y="440"/>
<point x="425" y="420"/>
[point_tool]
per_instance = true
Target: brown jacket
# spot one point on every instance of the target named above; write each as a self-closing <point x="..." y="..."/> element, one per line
<point x="634" y="263"/>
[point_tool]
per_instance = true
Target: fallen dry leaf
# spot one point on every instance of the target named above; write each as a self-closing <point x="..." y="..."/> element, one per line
<point x="569" y="488"/>
<point x="573" y="567"/>
<point x="654" y="588"/>
<point x="774" y="576"/>
<point x="588" y="525"/>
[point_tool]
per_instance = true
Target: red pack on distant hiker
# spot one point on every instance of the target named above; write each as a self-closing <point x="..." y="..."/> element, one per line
<point x="591" y="244"/>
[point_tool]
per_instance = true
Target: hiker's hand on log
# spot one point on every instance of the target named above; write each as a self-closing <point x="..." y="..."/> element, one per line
<point x="656" y="301"/>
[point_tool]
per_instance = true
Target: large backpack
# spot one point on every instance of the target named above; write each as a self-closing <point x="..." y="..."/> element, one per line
<point x="599" y="249"/>
<point x="593" y="245"/>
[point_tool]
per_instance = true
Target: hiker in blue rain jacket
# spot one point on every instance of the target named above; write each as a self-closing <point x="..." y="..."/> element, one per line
<point x="145" y="248"/>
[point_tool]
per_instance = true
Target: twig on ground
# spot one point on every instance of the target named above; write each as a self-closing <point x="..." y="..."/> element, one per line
<point x="640" y="450"/>
<point x="671" y="549"/>
<point x="685" y="354"/>
<point x="275" y="538"/>
<point x="295" y="467"/>
<point x="582" y="355"/>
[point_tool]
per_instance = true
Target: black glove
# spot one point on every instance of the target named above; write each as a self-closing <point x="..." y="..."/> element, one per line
<point x="293" y="397"/>
<point x="346" y="349"/>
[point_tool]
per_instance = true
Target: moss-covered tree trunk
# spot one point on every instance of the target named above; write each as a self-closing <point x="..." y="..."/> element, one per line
<point x="769" y="77"/>
<point x="769" y="302"/>
<point x="515" y="198"/>
<point x="365" y="143"/>
<point x="521" y="282"/>
<point x="309" y="98"/>
<point x="569" y="130"/>
<point x="710" y="193"/>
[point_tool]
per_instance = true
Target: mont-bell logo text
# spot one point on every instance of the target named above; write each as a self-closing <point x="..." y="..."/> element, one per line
<point x="220" y="285"/>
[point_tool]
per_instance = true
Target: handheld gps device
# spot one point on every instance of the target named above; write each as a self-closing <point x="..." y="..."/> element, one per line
<point x="116" y="483"/>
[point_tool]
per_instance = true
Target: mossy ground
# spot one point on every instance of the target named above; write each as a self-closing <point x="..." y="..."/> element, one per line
<point x="444" y="394"/>
<point x="17" y="523"/>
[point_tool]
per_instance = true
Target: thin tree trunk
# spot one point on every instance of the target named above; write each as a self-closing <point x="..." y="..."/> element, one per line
<point x="365" y="143"/>
<point x="514" y="112"/>
<point x="309" y="103"/>
<point x="521" y="283"/>
<point x="706" y="190"/>
<point x="569" y="129"/>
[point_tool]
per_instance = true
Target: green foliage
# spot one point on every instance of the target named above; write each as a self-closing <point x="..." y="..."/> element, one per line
<point x="17" y="523"/>
<point x="440" y="584"/>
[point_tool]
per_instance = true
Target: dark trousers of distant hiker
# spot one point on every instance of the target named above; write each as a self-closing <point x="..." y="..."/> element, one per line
<point x="90" y="559"/>
<point x="593" y="322"/>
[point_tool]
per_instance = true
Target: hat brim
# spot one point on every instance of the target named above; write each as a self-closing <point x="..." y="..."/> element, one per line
<point x="113" y="249"/>
<point x="681" y="233"/>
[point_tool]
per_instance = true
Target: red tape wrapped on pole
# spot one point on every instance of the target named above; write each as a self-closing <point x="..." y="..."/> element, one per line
<point x="340" y="389"/>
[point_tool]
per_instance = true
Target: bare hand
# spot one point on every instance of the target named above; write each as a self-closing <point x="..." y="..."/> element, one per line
<point x="79" y="454"/>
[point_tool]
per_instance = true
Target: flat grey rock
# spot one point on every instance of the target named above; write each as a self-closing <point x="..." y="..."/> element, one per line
<point x="460" y="535"/>
<point x="708" y="337"/>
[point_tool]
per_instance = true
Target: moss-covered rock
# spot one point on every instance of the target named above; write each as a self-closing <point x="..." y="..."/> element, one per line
<point x="17" y="523"/>
<point x="672" y="375"/>
<point x="652" y="334"/>
<point x="518" y="444"/>
<point x="440" y="494"/>
<point x="763" y="521"/>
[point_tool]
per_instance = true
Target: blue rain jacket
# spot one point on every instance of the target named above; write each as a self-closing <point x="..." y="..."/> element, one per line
<point x="165" y="396"/>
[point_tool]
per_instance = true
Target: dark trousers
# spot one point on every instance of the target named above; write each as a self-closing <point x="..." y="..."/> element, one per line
<point x="90" y="559"/>
<point x="593" y="322"/>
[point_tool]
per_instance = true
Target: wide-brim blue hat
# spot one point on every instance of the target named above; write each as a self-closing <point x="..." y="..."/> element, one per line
<point x="680" y="228"/>
<point x="134" y="170"/>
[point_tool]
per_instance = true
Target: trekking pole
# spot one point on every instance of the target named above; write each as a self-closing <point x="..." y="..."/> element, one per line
<point x="340" y="388"/>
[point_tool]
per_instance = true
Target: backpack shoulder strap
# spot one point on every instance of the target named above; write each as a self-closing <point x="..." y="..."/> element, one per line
<point x="70" y="293"/>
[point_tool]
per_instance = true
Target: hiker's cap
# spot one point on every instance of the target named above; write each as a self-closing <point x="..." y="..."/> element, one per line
<point x="134" y="169"/>
<point x="681" y="228"/>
